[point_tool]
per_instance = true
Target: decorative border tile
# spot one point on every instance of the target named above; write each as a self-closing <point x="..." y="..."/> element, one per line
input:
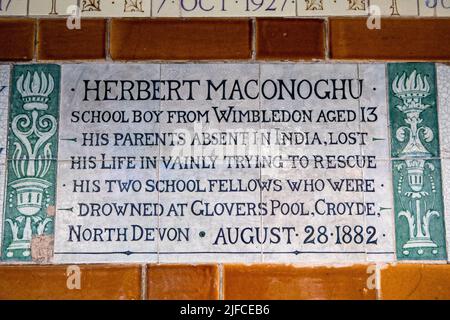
<point x="332" y="8"/>
<point x="416" y="170"/>
<point x="116" y="8"/>
<point x="32" y="150"/>
<point x="51" y="7"/>
<point x="13" y="7"/>
<point x="232" y="8"/>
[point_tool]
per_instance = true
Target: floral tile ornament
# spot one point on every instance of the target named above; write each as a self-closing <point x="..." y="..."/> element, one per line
<point x="32" y="152"/>
<point x="119" y="8"/>
<point x="332" y="8"/>
<point x="416" y="167"/>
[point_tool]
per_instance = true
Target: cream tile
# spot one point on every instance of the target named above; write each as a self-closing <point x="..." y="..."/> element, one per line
<point x="427" y="8"/>
<point x="115" y="8"/>
<point x="443" y="82"/>
<point x="107" y="128"/>
<point x="443" y="8"/>
<point x="304" y="201"/>
<point x="373" y="107"/>
<point x="13" y="7"/>
<point x="51" y="7"/>
<point x="215" y="215"/>
<point x="380" y="224"/>
<point x="332" y="7"/>
<point x="240" y="8"/>
<point x="217" y="209"/>
<point x="208" y="107"/>
<point x="98" y="221"/>
<point x="316" y="114"/>
<point x="396" y="8"/>
<point x="166" y="8"/>
<point x="220" y="8"/>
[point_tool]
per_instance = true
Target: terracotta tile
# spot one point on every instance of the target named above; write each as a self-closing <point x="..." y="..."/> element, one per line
<point x="290" y="39"/>
<point x="57" y="42"/>
<point x="175" y="39"/>
<point x="51" y="282"/>
<point x="17" y="39"/>
<point x="398" y="39"/>
<point x="183" y="282"/>
<point x="415" y="282"/>
<point x="279" y="282"/>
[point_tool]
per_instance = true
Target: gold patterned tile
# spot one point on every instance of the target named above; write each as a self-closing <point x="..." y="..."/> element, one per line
<point x="115" y="8"/>
<point x="332" y="7"/>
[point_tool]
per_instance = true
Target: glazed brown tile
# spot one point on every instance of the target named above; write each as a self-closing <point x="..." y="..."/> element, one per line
<point x="17" y="39"/>
<point x="398" y="39"/>
<point x="415" y="282"/>
<point x="183" y="282"/>
<point x="57" y="42"/>
<point x="52" y="283"/>
<point x="175" y="39"/>
<point x="279" y="282"/>
<point x="290" y="39"/>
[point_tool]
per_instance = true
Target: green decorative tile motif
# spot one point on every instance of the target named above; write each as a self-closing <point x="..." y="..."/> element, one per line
<point x="32" y="152"/>
<point x="419" y="210"/>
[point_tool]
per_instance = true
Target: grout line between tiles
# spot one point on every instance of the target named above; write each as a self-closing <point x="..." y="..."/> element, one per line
<point x="378" y="281"/>
<point x="143" y="282"/>
<point x="108" y="40"/>
<point x="327" y="38"/>
<point x="253" y="58"/>
<point x="221" y="282"/>
<point x="36" y="40"/>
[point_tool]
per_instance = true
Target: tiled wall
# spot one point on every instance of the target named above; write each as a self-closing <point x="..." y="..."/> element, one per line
<point x="221" y="8"/>
<point x="230" y="282"/>
<point x="333" y="39"/>
<point x="47" y="39"/>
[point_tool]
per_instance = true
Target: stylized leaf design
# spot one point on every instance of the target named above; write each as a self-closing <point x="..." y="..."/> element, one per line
<point x="401" y="133"/>
<point x="133" y="6"/>
<point x="408" y="216"/>
<point x="90" y="5"/>
<point x="428" y="135"/>
<point x="426" y="221"/>
<point x="356" y="4"/>
<point x="314" y="4"/>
